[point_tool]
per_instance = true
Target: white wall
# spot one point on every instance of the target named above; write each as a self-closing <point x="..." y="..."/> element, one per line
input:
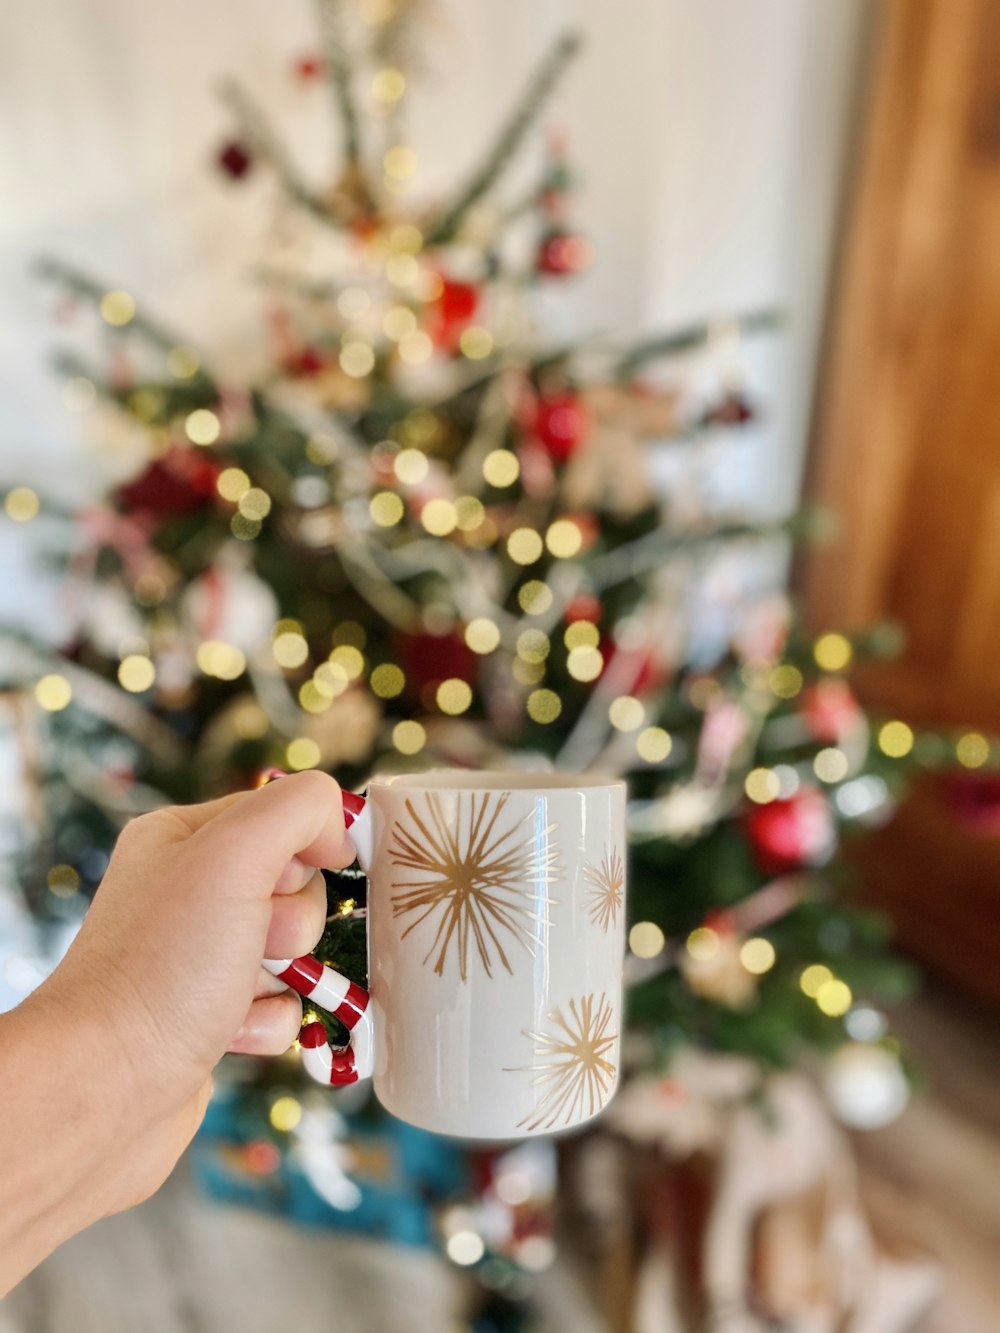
<point x="709" y="134"/>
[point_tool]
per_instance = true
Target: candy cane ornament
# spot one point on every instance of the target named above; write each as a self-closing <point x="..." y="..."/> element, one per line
<point x="329" y="989"/>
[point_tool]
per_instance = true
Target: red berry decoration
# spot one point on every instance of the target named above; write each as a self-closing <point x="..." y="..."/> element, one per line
<point x="733" y="409"/>
<point x="791" y="833"/>
<point x="561" y="422"/>
<point x="180" y="482"/>
<point x="561" y="253"/>
<point x="235" y="160"/>
<point x="308" y="68"/>
<point x="306" y="361"/>
<point x="451" y="312"/>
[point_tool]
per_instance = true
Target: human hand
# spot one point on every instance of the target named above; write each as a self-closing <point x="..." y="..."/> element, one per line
<point x="164" y="976"/>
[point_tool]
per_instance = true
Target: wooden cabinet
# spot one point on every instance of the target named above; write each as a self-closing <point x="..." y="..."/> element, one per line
<point x="907" y="446"/>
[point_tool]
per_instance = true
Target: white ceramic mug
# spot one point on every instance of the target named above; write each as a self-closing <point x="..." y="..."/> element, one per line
<point x="496" y="922"/>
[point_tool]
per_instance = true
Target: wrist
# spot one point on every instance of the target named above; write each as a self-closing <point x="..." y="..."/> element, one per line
<point x="62" y="1132"/>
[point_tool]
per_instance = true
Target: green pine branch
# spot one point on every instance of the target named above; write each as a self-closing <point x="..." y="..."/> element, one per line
<point x="265" y="144"/>
<point x="510" y="138"/>
<point x="331" y="28"/>
<point x="662" y="346"/>
<point x="86" y="288"/>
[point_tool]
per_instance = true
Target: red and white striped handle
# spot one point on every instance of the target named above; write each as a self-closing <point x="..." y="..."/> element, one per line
<point x="329" y="990"/>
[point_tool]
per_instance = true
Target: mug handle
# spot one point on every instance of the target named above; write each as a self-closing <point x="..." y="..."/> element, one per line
<point x="330" y="990"/>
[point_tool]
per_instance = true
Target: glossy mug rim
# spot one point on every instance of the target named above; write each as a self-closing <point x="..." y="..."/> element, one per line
<point x="457" y="779"/>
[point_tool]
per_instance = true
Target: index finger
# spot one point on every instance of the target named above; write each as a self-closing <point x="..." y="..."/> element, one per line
<point x="260" y="832"/>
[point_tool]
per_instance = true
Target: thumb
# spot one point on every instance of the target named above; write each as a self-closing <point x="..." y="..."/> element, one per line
<point x="257" y="835"/>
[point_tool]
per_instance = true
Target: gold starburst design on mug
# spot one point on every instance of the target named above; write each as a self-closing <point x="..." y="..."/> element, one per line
<point x="607" y="889"/>
<point x="478" y="875"/>
<point x="572" y="1065"/>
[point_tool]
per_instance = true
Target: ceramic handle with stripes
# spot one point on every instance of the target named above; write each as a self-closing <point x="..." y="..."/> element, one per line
<point x="331" y="991"/>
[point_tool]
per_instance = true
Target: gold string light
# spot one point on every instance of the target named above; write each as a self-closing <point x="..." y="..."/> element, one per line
<point x="785" y="680"/>
<point x="581" y="634"/>
<point x="415" y="348"/>
<point x="349" y="659"/>
<point x="646" y="939"/>
<point x="244" y="529"/>
<point x="357" y="359"/>
<point x="475" y="342"/>
<point x="63" y="881"/>
<point x="411" y="466"/>
<point x="21" y="504"/>
<point x="255" y="504"/>
<point x="654" y="744"/>
<point x="386" y="509"/>
<point x="388" y="85"/>
<point x="439" y="517"/>
<point x="387" y="680"/>
<point x="222" y="660"/>
<point x="202" y="426"/>
<point x="972" y="750"/>
<point x="501" y="468"/>
<point x="232" y="484"/>
<point x="813" y="977"/>
<point x="584" y="663"/>
<point x="482" y="635"/>
<point x="762" y="785"/>
<point x="757" y="955"/>
<point x="136" y="673"/>
<point x="626" y="713"/>
<point x="895" y="739"/>
<point x="564" y="538"/>
<point x="53" y="693"/>
<point x="832" y="652"/>
<point x="533" y="645"/>
<point x="702" y="943"/>
<point x="409" y="737"/>
<point x="183" y="362"/>
<point x="543" y="706"/>
<point x="117" y="308"/>
<point x="290" y="649"/>
<point x="453" y="696"/>
<point x="534" y="597"/>
<point x="302" y="753"/>
<point x="831" y="765"/>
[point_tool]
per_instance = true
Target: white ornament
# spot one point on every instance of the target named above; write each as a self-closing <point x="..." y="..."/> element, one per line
<point x="866" y="1086"/>
<point x="229" y="602"/>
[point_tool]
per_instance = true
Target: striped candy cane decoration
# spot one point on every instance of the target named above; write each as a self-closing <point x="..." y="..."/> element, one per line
<point x="328" y="989"/>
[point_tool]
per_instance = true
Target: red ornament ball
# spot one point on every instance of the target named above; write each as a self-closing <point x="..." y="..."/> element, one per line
<point x="791" y="833"/>
<point x="235" y="159"/>
<point x="451" y="311"/>
<point x="427" y="659"/>
<point x="180" y="482"/>
<point x="561" y="422"/>
<point x="561" y="253"/>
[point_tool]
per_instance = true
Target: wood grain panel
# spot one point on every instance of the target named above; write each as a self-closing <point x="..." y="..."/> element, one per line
<point x="907" y="445"/>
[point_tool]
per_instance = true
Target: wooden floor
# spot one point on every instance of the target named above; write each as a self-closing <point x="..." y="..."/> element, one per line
<point x="181" y="1265"/>
<point x="932" y="1180"/>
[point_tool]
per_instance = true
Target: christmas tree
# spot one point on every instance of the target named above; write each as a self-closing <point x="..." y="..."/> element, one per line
<point x="428" y="535"/>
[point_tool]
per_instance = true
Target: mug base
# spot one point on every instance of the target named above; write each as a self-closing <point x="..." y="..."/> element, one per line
<point x="485" y="1135"/>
